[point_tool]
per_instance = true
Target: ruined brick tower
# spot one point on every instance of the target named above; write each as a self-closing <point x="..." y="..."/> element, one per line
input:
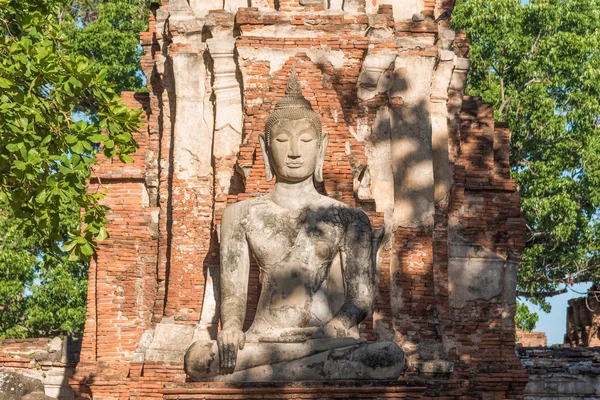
<point x="427" y="164"/>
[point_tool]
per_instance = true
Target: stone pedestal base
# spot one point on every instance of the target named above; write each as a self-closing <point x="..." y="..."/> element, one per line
<point x="341" y="390"/>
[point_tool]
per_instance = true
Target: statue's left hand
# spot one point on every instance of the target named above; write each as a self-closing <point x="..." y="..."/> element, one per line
<point x="335" y="329"/>
<point x="229" y="340"/>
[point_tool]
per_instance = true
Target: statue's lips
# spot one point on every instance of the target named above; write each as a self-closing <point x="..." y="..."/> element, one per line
<point x="294" y="165"/>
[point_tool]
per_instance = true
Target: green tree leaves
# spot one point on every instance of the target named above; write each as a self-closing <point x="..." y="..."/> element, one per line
<point x="539" y="64"/>
<point x="16" y="261"/>
<point x="58" y="109"/>
<point x="55" y="114"/>
<point x="525" y="319"/>
<point x="107" y="33"/>
<point x="41" y="293"/>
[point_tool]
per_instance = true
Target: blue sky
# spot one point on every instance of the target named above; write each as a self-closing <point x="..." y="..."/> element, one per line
<point x="555" y="322"/>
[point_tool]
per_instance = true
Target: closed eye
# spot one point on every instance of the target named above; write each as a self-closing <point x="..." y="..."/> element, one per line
<point x="306" y="138"/>
<point x="282" y="139"/>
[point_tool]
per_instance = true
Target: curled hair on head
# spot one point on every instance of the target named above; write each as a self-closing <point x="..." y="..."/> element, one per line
<point x="293" y="106"/>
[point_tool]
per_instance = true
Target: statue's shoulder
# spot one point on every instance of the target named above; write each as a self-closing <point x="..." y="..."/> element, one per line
<point x="350" y="216"/>
<point x="239" y="211"/>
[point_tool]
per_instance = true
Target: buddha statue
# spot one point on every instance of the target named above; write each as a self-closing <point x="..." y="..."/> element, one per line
<point x="295" y="234"/>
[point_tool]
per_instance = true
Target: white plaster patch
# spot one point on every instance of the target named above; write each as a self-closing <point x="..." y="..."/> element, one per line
<point x="284" y="31"/>
<point x="377" y="142"/>
<point x="336" y="4"/>
<point x="202" y="7"/>
<point x="473" y="272"/>
<point x="412" y="158"/>
<point x="419" y="176"/>
<point x="374" y="75"/>
<point x="145" y="198"/>
<point x="322" y="56"/>
<point x="194" y="121"/>
<point x="233" y="5"/>
<point x="408" y="42"/>
<point x="404" y="9"/>
<point x="278" y="57"/>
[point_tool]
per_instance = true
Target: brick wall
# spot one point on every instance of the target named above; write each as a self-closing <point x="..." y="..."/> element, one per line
<point x="52" y="361"/>
<point x="531" y="339"/>
<point x="561" y="373"/>
<point x="167" y="204"/>
<point x="122" y="277"/>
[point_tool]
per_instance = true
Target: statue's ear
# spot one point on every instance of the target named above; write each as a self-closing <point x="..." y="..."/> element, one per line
<point x="321" y="158"/>
<point x="263" y="147"/>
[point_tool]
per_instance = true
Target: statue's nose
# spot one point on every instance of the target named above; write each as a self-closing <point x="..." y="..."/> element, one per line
<point x="294" y="153"/>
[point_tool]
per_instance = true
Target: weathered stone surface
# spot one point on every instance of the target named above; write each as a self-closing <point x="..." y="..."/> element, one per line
<point x="15" y="386"/>
<point x="55" y="345"/>
<point x="435" y="367"/>
<point x="432" y="351"/>
<point x="380" y="360"/>
<point x="474" y="272"/>
<point x="167" y="344"/>
<point x="37" y="396"/>
<point x="202" y="7"/>
<point x="294" y="234"/>
<point x="49" y="361"/>
<point x="55" y="351"/>
<point x="561" y="373"/>
<point x="411" y="146"/>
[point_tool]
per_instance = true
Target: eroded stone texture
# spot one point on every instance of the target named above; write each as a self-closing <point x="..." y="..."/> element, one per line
<point x="34" y="368"/>
<point x="561" y="373"/>
<point x="376" y="361"/>
<point x="474" y="273"/>
<point x="411" y="138"/>
<point x="294" y="233"/>
<point x="16" y="386"/>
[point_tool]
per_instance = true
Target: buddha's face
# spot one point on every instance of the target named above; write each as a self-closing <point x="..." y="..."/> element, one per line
<point x="294" y="149"/>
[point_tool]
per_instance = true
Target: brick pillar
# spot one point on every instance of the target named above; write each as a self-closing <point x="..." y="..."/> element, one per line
<point x="122" y="277"/>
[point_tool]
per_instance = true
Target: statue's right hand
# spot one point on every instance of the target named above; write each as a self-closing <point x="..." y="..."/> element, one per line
<point x="229" y="340"/>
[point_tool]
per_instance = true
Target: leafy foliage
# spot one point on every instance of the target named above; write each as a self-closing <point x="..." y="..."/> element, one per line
<point x="107" y="33"/>
<point x="55" y="113"/>
<point x="525" y="319"/>
<point x="39" y="295"/>
<point x="58" y="109"/>
<point x="539" y="64"/>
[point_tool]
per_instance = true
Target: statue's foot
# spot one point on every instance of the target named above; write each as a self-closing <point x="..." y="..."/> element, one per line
<point x="380" y="360"/>
<point x="202" y="357"/>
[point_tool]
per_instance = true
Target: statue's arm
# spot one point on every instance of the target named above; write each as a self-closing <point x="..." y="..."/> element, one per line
<point x="234" y="273"/>
<point x="358" y="273"/>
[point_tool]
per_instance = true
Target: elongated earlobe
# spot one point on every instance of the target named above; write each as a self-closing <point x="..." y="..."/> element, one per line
<point x="263" y="147"/>
<point x="321" y="158"/>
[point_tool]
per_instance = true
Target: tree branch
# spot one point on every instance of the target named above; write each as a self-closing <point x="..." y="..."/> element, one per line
<point x="533" y="46"/>
<point x="537" y="295"/>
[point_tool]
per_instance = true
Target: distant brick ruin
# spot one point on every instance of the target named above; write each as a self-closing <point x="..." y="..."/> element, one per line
<point x="531" y="339"/>
<point x="561" y="372"/>
<point x="583" y="320"/>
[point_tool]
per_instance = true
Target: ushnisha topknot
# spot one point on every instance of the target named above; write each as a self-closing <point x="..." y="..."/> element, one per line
<point x="292" y="106"/>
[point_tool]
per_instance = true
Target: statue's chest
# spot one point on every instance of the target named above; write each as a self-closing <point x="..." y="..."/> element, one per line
<point x="294" y="238"/>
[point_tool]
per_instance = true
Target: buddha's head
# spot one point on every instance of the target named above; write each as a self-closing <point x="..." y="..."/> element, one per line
<point x="293" y="145"/>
